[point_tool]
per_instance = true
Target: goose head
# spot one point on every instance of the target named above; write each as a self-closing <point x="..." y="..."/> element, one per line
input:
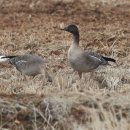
<point x="72" y="29"/>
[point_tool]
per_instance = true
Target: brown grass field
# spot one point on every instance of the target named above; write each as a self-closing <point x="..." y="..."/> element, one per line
<point x="101" y="102"/>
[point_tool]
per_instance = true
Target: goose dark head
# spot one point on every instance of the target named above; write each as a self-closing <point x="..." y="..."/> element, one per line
<point x="72" y="29"/>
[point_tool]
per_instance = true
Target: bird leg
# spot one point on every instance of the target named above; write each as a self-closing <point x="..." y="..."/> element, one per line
<point x="80" y="74"/>
<point x="47" y="76"/>
<point x="23" y="78"/>
<point x="91" y="75"/>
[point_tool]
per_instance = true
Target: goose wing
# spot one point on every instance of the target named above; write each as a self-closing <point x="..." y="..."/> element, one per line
<point x="93" y="58"/>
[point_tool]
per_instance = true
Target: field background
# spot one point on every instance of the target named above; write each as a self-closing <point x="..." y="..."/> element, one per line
<point x="101" y="102"/>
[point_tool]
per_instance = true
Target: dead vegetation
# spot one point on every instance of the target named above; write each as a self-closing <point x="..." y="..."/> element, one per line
<point x="99" y="102"/>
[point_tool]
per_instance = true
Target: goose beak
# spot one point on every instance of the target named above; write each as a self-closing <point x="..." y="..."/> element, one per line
<point x="62" y="29"/>
<point x="62" y="26"/>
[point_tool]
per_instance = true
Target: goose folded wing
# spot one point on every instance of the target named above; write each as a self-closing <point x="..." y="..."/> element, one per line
<point x="93" y="58"/>
<point x="20" y="64"/>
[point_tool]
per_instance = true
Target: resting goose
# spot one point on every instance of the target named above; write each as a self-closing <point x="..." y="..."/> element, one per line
<point x="80" y="60"/>
<point x="28" y="64"/>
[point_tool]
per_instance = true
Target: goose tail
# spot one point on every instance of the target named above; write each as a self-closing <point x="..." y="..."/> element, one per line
<point x="4" y="58"/>
<point x="109" y="59"/>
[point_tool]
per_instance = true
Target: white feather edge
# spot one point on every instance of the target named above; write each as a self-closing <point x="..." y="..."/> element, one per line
<point x="95" y="57"/>
<point x="3" y="59"/>
<point x="21" y="61"/>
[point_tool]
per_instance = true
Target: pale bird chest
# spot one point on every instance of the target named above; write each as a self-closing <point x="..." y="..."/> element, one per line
<point x="75" y="57"/>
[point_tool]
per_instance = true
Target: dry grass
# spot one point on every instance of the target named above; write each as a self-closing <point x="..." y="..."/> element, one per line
<point x="97" y="103"/>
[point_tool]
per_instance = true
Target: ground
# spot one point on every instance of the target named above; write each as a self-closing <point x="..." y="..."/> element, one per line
<point x="68" y="103"/>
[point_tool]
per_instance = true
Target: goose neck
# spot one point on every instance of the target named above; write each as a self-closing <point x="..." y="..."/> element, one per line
<point x="76" y="39"/>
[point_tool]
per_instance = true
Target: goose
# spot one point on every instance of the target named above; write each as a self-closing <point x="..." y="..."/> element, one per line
<point x="80" y="60"/>
<point x="28" y="64"/>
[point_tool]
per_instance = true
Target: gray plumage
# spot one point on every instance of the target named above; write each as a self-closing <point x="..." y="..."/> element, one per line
<point x="83" y="61"/>
<point x="28" y="64"/>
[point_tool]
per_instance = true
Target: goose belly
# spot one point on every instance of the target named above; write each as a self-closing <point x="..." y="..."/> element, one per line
<point x="30" y="70"/>
<point x="80" y="64"/>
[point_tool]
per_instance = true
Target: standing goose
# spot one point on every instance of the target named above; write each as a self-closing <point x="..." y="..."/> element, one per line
<point x="28" y="64"/>
<point x="83" y="61"/>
